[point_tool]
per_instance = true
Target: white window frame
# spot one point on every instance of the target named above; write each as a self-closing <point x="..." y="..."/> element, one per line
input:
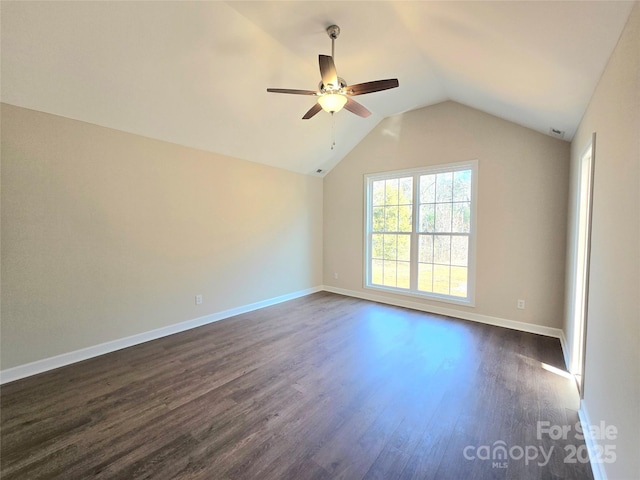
<point x="472" y="165"/>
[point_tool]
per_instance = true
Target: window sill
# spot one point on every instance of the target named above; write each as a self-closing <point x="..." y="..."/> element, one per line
<point x="425" y="296"/>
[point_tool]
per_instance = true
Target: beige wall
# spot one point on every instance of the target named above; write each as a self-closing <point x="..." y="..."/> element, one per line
<point x="522" y="201"/>
<point x="107" y="234"/>
<point x="612" y="370"/>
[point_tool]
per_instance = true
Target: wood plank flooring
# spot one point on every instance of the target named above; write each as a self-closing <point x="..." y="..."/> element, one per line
<point x="322" y="387"/>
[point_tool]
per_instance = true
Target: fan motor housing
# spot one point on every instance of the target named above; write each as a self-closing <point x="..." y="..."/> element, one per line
<point x="324" y="89"/>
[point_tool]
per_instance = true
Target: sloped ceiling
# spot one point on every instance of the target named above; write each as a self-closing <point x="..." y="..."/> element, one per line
<point x="196" y="73"/>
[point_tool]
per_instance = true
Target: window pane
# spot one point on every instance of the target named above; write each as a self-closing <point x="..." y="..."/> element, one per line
<point x="461" y="217"/>
<point x="425" y="277"/>
<point x="441" y="279"/>
<point x="391" y="192"/>
<point x="376" y="272"/>
<point x="389" y="273"/>
<point x="378" y="193"/>
<point x="443" y="217"/>
<point x="462" y="186"/>
<point x="425" y="252"/>
<point x="427" y="189"/>
<point x="377" y="246"/>
<point x="442" y="249"/>
<point x="459" y="251"/>
<point x="406" y="191"/>
<point x="404" y="219"/>
<point x="390" y="249"/>
<point x="404" y="248"/>
<point x="404" y="275"/>
<point x="458" y="281"/>
<point x="427" y="218"/>
<point x="444" y="185"/>
<point x="390" y="219"/>
<point x="378" y="219"/>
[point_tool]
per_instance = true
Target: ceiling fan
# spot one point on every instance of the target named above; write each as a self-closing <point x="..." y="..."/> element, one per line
<point x="333" y="92"/>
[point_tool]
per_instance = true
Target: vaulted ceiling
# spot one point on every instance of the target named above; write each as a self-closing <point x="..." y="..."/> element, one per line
<point x="196" y="73"/>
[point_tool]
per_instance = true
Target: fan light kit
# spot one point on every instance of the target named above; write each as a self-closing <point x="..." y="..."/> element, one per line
<point x="332" y="102"/>
<point x="333" y="92"/>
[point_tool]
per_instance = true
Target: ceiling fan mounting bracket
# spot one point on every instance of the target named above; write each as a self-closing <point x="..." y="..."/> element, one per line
<point x="333" y="31"/>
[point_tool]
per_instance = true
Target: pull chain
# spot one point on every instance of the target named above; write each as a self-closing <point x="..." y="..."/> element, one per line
<point x="333" y="32"/>
<point x="333" y="131"/>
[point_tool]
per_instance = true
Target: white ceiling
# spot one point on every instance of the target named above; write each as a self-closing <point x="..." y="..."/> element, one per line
<point x="196" y="73"/>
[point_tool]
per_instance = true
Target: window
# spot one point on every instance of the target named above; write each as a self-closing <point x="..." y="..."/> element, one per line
<point x="420" y="231"/>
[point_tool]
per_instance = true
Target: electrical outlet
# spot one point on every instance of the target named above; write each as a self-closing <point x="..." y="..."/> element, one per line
<point x="198" y="299"/>
<point x="520" y="304"/>
<point x="335" y="275"/>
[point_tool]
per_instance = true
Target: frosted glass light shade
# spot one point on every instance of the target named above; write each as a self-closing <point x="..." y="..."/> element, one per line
<point x="332" y="102"/>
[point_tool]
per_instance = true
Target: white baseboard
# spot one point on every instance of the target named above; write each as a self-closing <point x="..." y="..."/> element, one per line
<point x="592" y="445"/>
<point x="450" y="312"/>
<point x="40" y="366"/>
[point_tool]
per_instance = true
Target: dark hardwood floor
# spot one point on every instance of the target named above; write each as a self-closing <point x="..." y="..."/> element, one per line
<point x="322" y="387"/>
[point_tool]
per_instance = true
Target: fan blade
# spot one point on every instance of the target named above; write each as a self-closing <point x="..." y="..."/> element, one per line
<point x="355" y="107"/>
<point x="289" y="90"/>
<point x="370" y="87"/>
<point x="328" y="71"/>
<point x="312" y="111"/>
